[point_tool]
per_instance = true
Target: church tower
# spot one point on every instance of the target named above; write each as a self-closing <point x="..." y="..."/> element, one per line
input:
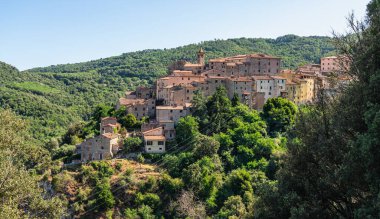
<point x="201" y="57"/>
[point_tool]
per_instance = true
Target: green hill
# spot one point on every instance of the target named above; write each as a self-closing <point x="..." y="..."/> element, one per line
<point x="54" y="97"/>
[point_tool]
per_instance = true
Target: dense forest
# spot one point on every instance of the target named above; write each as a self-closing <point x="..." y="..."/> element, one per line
<point x="318" y="160"/>
<point x="54" y="97"/>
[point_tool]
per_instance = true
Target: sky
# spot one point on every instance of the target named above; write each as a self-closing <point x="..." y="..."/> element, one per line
<point x="48" y="32"/>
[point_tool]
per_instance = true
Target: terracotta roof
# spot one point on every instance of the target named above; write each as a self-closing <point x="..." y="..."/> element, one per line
<point x="261" y="77"/>
<point x="110" y="135"/>
<point x="192" y="65"/>
<point x="329" y="57"/>
<point x="157" y="137"/>
<point x="243" y="79"/>
<point x="182" y="73"/>
<point x="125" y="101"/>
<point x="152" y="130"/>
<point x="211" y="71"/>
<point x="278" y="77"/>
<point x="170" y="107"/>
<point x="260" y="55"/>
<point x="217" y="60"/>
<point x="216" y="77"/>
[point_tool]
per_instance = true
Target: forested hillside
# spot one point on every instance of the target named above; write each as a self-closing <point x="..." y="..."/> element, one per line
<point x="56" y="96"/>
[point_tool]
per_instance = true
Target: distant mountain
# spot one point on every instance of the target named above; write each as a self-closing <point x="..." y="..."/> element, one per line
<point x="54" y="97"/>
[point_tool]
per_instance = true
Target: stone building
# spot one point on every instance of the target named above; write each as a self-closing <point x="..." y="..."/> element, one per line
<point x="138" y="107"/>
<point x="334" y="64"/>
<point x="109" y="125"/>
<point x="101" y="147"/>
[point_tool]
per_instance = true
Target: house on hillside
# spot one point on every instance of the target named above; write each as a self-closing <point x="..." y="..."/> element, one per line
<point x="100" y="147"/>
<point x="109" y="125"/>
<point x="154" y="140"/>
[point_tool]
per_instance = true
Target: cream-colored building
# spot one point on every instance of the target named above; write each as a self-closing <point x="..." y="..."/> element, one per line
<point x="154" y="140"/>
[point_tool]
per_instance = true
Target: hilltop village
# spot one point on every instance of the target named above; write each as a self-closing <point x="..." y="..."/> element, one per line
<point x="252" y="78"/>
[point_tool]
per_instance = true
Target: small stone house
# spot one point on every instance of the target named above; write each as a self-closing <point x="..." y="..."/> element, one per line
<point x="109" y="125"/>
<point x="100" y="147"/>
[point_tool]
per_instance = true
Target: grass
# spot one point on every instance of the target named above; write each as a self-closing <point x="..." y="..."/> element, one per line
<point x="36" y="87"/>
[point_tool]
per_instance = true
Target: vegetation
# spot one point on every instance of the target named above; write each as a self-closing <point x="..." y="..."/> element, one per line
<point x="331" y="169"/>
<point x="21" y="166"/>
<point x="228" y="161"/>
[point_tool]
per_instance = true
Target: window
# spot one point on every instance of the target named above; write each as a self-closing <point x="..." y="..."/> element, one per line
<point x="216" y="81"/>
<point x="188" y="79"/>
<point x="187" y="98"/>
<point x="136" y="109"/>
<point x="152" y="107"/>
<point x="149" y="143"/>
<point x="101" y="156"/>
<point x="160" y="143"/>
<point x="102" y="147"/>
<point x="180" y="111"/>
<point x="171" y="111"/>
<point x="270" y="93"/>
<point x="149" y="149"/>
<point x="270" y="87"/>
<point x="144" y="109"/>
<point x="187" y="91"/>
<point x="160" y="149"/>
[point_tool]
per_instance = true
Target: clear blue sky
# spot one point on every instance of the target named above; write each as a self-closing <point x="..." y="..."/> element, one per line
<point x="45" y="32"/>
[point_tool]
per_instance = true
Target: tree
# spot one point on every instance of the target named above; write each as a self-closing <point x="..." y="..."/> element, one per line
<point x="187" y="206"/>
<point x="205" y="146"/>
<point x="104" y="199"/>
<point x="218" y="111"/>
<point x="186" y="131"/>
<point x="129" y="121"/>
<point x="132" y="144"/>
<point x="101" y="111"/>
<point x="233" y="207"/>
<point x="20" y="193"/>
<point x="235" y="100"/>
<point x="332" y="168"/>
<point x="279" y="113"/>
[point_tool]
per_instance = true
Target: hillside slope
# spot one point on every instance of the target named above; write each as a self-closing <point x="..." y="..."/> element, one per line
<point x="55" y="97"/>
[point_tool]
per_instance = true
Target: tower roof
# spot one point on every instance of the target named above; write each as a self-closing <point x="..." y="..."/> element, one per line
<point x="201" y="50"/>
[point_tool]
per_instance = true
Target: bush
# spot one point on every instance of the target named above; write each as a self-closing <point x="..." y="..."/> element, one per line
<point x="103" y="168"/>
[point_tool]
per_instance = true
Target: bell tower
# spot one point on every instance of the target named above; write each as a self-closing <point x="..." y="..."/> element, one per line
<point x="201" y="56"/>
